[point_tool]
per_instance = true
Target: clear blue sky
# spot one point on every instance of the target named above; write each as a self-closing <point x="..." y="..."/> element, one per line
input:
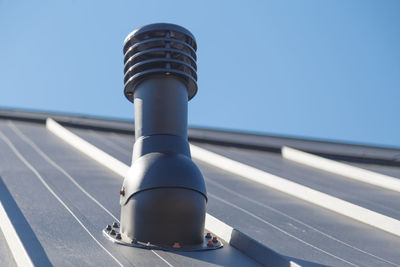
<point x="321" y="69"/>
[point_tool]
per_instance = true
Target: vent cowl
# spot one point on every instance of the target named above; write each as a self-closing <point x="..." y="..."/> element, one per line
<point x="160" y="49"/>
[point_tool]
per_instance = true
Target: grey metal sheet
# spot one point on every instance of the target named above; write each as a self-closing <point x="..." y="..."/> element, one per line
<point x="295" y="228"/>
<point x="371" y="197"/>
<point x="63" y="239"/>
<point x="301" y="231"/>
<point x="6" y="258"/>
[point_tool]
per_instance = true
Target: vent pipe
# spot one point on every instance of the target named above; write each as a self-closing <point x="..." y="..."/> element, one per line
<point x="163" y="198"/>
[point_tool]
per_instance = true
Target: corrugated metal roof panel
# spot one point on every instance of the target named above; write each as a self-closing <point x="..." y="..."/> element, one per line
<point x="65" y="220"/>
<point x="302" y="232"/>
<point x="308" y="233"/>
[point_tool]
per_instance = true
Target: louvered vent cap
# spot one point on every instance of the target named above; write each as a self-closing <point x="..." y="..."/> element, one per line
<point x="160" y="49"/>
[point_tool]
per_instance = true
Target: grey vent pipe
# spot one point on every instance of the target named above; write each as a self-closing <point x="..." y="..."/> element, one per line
<point x="163" y="198"/>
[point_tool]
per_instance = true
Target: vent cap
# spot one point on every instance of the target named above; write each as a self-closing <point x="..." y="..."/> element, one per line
<point x="160" y="49"/>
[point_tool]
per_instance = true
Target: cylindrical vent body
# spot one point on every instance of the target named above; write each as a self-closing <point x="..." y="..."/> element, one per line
<point x="161" y="107"/>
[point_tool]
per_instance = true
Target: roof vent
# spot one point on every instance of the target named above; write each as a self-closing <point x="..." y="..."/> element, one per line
<point x="163" y="199"/>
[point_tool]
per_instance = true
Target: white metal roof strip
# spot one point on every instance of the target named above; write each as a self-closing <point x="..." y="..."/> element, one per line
<point x="216" y="226"/>
<point x="87" y="148"/>
<point x="18" y="251"/>
<point x="221" y="229"/>
<point x="326" y="201"/>
<point x="343" y="169"/>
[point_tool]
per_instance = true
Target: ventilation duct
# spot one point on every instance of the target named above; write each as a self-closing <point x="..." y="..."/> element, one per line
<point x="163" y="197"/>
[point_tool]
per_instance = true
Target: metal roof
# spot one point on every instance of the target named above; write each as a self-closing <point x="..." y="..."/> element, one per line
<point x="59" y="200"/>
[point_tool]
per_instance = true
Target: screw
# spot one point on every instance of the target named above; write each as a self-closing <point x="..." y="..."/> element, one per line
<point x="122" y="192"/>
<point x="208" y="235"/>
<point x="115" y="225"/>
<point x="108" y="227"/>
<point x="210" y="244"/>
<point x="112" y="232"/>
<point x="176" y="245"/>
<point x="118" y="236"/>
<point x="214" y="240"/>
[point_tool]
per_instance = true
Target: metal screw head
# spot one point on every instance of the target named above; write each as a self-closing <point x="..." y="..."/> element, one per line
<point x="122" y="192"/>
<point x="115" y="225"/>
<point x="112" y="232"/>
<point x="210" y="244"/>
<point x="108" y="227"/>
<point x="118" y="236"/>
<point x="208" y="235"/>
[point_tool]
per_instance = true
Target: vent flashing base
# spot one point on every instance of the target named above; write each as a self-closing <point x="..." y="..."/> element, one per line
<point x="113" y="234"/>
